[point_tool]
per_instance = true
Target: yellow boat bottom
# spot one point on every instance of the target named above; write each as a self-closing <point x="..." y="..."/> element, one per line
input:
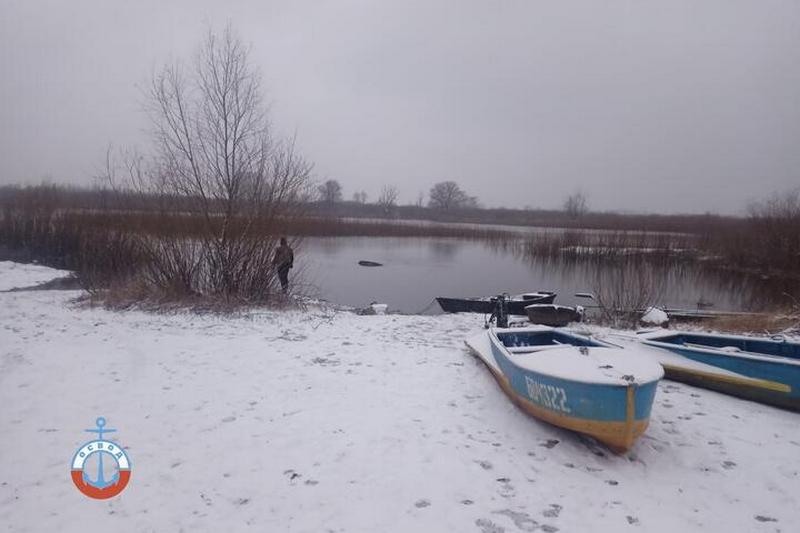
<point x="619" y="437"/>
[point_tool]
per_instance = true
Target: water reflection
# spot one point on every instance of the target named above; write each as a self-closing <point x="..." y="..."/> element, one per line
<point x="443" y="249"/>
<point x="419" y="269"/>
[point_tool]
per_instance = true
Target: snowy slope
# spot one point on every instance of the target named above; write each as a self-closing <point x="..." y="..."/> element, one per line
<point x="317" y="421"/>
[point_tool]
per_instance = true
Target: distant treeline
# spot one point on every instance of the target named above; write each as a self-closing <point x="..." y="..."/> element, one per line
<point x="531" y="217"/>
<point x="95" y="231"/>
<point x="105" y="199"/>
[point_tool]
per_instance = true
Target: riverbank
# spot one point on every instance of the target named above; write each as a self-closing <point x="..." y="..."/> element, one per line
<point x="325" y="420"/>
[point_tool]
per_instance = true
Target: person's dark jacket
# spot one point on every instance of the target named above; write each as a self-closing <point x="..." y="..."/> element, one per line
<point x="284" y="257"/>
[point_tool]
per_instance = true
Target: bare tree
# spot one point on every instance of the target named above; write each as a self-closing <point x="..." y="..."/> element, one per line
<point x="360" y="197"/>
<point x="575" y="205"/>
<point x="774" y="232"/>
<point x="215" y="160"/>
<point x="448" y="195"/>
<point x="330" y="192"/>
<point x="625" y="290"/>
<point x="388" y="198"/>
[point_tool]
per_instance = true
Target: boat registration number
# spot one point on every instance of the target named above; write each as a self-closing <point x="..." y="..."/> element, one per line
<point x="551" y="397"/>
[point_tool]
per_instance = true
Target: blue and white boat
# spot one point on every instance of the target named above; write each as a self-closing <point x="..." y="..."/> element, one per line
<point x="763" y="370"/>
<point x="572" y="381"/>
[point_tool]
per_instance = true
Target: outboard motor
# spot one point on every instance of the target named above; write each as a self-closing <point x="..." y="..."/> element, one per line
<point x="500" y="312"/>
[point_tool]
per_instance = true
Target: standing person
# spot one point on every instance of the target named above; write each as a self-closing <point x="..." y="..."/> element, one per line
<point x="283" y="261"/>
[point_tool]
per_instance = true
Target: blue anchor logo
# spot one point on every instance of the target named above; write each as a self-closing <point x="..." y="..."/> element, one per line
<point x="100" y="482"/>
<point x="98" y="487"/>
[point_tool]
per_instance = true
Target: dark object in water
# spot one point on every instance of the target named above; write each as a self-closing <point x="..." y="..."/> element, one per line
<point x="370" y="263"/>
<point x="515" y="305"/>
<point x="553" y="315"/>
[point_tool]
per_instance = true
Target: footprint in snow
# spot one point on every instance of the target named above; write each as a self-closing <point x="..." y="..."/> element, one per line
<point x="292" y="475"/>
<point x="420" y="504"/>
<point x="522" y="521"/>
<point x="487" y="526"/>
<point x="728" y="465"/>
<point x="507" y="490"/>
<point x="550" y="443"/>
<point x="486" y="465"/>
<point x="762" y="518"/>
<point x="553" y="511"/>
<point x="632" y="519"/>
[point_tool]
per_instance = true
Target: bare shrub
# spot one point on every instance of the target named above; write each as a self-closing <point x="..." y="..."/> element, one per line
<point x="624" y="292"/>
<point x="774" y="241"/>
<point x="214" y="160"/>
<point x="36" y="225"/>
<point x="757" y="323"/>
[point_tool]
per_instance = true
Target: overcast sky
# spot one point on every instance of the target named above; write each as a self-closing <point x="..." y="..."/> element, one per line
<point x="658" y="106"/>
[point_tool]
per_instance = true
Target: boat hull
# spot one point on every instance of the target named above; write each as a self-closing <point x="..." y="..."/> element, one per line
<point x="552" y="315"/>
<point x="618" y="435"/>
<point x="614" y="415"/>
<point x="486" y="306"/>
<point x="762" y="391"/>
<point x="769" y="370"/>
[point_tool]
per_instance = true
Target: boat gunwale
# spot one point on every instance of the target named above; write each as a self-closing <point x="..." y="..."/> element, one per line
<point x="753" y="356"/>
<point x="511" y="357"/>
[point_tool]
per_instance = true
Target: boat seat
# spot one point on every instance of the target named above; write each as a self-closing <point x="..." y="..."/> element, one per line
<point x="729" y="349"/>
<point x="536" y="348"/>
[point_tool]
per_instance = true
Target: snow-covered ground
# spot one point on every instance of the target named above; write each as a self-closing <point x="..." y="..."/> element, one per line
<point x="19" y="275"/>
<point x="328" y="421"/>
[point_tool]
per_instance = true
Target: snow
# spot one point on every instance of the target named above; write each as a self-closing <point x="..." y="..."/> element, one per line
<point x="654" y="316"/>
<point x="598" y="365"/>
<point x="554" y="307"/>
<point x="594" y="365"/>
<point x="19" y="275"/>
<point x="322" y="420"/>
<point x="379" y="309"/>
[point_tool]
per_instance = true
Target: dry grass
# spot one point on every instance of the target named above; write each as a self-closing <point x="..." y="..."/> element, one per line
<point x="138" y="294"/>
<point x="757" y="323"/>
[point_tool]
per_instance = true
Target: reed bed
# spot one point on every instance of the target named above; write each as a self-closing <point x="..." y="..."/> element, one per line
<point x="89" y="233"/>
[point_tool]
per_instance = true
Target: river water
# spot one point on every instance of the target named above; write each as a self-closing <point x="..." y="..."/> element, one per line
<point x="418" y="269"/>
